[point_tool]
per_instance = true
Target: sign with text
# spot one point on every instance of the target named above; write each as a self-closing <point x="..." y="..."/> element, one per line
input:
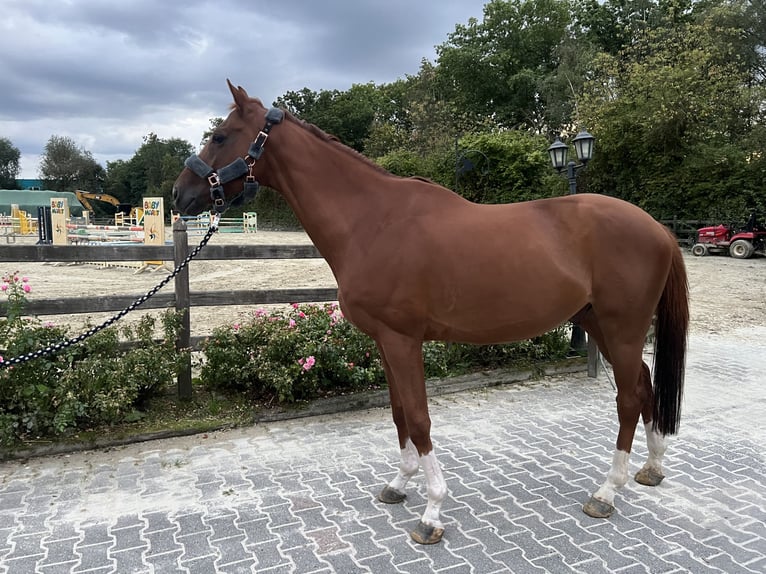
<point x="154" y="221"/>
<point x="59" y="220"/>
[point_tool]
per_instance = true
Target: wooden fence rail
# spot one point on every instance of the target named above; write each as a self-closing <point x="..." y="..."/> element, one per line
<point x="182" y="298"/>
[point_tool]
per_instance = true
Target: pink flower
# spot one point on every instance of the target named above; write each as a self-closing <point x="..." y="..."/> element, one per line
<point x="308" y="363"/>
<point x="291" y="324"/>
<point x="27" y="288"/>
<point x="49" y="324"/>
<point x="295" y="305"/>
<point x="4" y="287"/>
<point x="236" y="326"/>
<point x="25" y="279"/>
<point x="302" y="315"/>
<point x="260" y="312"/>
<point x="1" y="359"/>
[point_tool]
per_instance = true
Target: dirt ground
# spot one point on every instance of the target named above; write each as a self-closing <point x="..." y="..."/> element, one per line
<point x="726" y="293"/>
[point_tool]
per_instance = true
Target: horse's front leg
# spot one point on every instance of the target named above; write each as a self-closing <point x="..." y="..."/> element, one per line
<point x="403" y="363"/>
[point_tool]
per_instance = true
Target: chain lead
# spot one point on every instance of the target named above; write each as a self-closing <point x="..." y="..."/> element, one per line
<point x="57" y="347"/>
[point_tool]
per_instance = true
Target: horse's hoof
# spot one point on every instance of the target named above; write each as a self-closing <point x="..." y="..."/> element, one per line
<point x="391" y="496"/>
<point x="424" y="534"/>
<point x="649" y="477"/>
<point x="597" y="508"/>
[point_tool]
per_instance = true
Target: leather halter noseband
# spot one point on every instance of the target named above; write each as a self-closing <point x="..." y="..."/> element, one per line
<point x="240" y="167"/>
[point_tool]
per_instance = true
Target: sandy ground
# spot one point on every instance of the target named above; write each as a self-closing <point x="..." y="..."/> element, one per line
<point x="725" y="293"/>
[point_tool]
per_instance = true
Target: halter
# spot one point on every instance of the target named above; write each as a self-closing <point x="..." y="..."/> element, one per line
<point x="240" y="167"/>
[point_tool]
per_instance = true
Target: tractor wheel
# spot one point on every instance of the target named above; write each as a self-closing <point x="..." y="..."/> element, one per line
<point x="699" y="249"/>
<point x="741" y="249"/>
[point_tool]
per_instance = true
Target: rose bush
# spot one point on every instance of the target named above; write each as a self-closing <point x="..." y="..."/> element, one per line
<point x="309" y="351"/>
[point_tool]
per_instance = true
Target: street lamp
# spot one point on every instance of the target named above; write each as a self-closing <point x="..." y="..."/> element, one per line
<point x="583" y="143"/>
<point x="558" y="150"/>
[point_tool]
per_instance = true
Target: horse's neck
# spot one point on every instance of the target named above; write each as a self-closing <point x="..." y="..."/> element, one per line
<point x="333" y="193"/>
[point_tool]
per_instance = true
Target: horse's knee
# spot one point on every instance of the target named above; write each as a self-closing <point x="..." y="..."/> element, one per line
<point x="420" y="435"/>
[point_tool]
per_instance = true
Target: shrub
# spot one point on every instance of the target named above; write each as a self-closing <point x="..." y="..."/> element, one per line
<point x="99" y="381"/>
<point x="309" y="351"/>
<point x="298" y="354"/>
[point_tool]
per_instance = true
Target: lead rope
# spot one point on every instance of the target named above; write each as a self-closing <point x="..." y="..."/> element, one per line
<point x="57" y="347"/>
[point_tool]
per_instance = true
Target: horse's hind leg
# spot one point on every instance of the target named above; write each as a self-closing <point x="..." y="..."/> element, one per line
<point x="631" y="398"/>
<point x="651" y="473"/>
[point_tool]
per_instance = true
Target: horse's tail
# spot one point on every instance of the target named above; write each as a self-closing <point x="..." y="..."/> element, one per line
<point x="670" y="331"/>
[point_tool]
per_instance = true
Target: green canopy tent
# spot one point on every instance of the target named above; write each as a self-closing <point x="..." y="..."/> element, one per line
<point x="29" y="200"/>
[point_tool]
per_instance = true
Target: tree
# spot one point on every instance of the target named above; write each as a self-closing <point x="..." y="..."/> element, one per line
<point x="674" y="113"/>
<point x="151" y="172"/>
<point x="9" y="164"/>
<point x="65" y="166"/>
<point x="512" y="50"/>
<point x="347" y="115"/>
<point x="614" y="25"/>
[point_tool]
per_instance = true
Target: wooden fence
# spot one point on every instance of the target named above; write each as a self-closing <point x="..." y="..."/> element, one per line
<point x="685" y="230"/>
<point x="182" y="298"/>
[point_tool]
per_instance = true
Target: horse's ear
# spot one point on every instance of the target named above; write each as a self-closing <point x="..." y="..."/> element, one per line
<point x="240" y="96"/>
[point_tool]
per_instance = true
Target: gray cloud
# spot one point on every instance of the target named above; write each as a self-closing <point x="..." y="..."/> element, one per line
<point x="108" y="73"/>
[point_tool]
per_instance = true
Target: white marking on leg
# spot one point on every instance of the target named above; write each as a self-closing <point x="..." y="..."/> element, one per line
<point x="407" y="467"/>
<point x="615" y="479"/>
<point x="437" y="489"/>
<point x="655" y="442"/>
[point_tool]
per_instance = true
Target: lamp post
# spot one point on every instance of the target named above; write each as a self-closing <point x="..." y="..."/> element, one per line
<point x="558" y="150"/>
<point x="583" y="143"/>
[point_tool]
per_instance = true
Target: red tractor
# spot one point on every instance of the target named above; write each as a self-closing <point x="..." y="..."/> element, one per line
<point x="739" y="243"/>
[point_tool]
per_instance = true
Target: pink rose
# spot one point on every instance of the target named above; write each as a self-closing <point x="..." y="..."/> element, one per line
<point x="308" y="363"/>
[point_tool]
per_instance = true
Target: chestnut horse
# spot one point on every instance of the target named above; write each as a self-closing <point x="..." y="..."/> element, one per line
<point x="415" y="261"/>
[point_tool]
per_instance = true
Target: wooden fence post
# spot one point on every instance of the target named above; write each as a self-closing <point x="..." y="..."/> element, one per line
<point x="183" y="304"/>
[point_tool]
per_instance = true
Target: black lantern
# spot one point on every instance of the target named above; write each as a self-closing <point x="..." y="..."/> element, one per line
<point x="558" y="152"/>
<point x="583" y="143"/>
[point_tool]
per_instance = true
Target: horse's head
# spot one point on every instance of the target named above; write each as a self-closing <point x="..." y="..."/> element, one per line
<point x="223" y="173"/>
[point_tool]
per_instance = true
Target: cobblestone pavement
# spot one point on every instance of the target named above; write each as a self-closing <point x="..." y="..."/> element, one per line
<point x="299" y="496"/>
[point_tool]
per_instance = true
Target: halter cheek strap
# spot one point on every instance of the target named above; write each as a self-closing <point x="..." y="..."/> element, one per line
<point x="240" y="167"/>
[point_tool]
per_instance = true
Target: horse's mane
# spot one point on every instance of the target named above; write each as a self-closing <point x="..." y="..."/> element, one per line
<point x="324" y="136"/>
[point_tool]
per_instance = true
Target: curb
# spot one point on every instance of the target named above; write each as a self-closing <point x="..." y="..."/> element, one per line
<point x="328" y="406"/>
<point x="434" y="388"/>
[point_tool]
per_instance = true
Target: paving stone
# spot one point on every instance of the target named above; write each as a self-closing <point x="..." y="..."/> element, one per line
<point x="300" y="496"/>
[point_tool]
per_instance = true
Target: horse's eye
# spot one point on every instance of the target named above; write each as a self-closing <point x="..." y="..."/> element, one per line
<point x="218" y="138"/>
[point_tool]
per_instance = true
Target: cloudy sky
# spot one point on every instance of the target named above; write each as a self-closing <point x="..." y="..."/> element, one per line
<point x="106" y="73"/>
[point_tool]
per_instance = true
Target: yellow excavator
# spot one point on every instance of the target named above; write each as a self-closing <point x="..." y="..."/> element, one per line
<point x="122" y="210"/>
